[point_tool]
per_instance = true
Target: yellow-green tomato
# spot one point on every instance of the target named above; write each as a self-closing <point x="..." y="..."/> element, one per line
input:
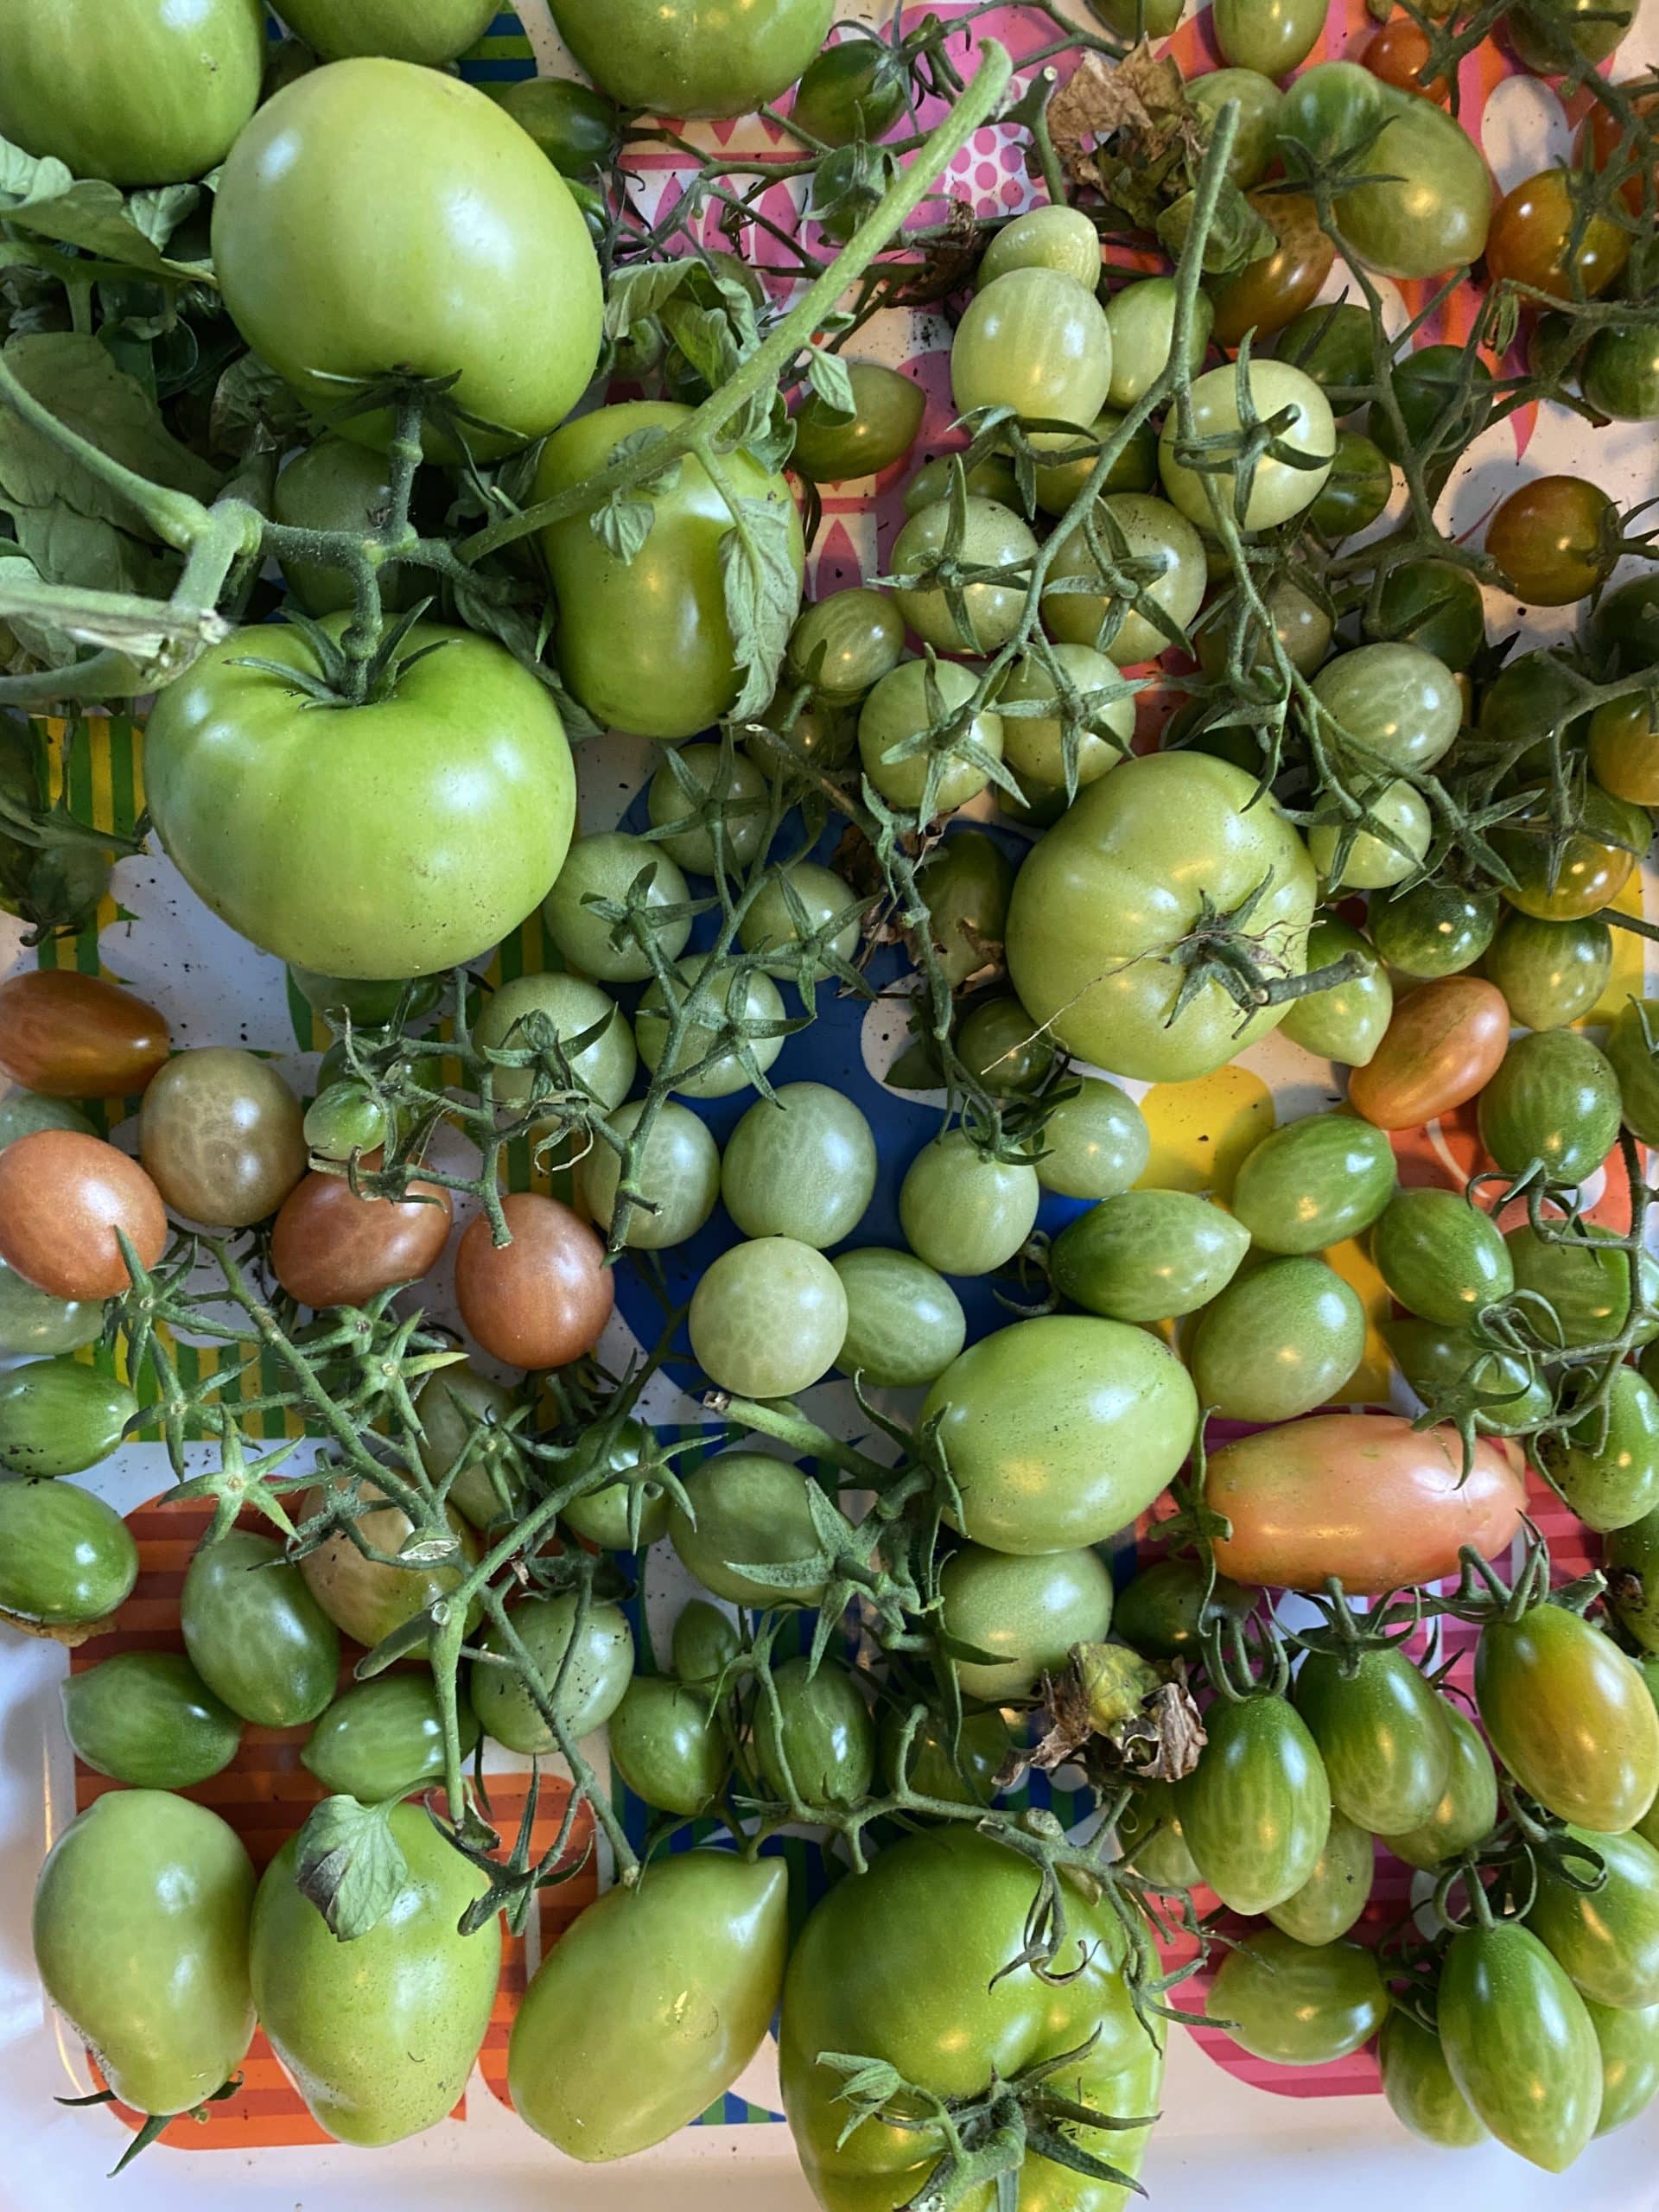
<point x="1376" y="857"/>
<point x="682" y="790"/>
<point x="1337" y="1890"/>
<point x="385" y="1737"/>
<point x="744" y="1006"/>
<point x="1278" y="1342"/>
<point x="378" y="2034"/>
<point x="1141" y="317"/>
<point x="572" y="1008"/>
<point x="1147" y="1256"/>
<point x="1418" y="2084"/>
<point x="676" y="1171"/>
<point x="964" y="1212"/>
<point x="1629" y="2041"/>
<point x="1278" y="489"/>
<point x="429" y="31"/>
<point x="1060" y="238"/>
<point x="333" y="485"/>
<point x="1345" y="1022"/>
<point x="255" y="1633"/>
<point x="695" y="57"/>
<point x="751" y="1512"/>
<point x="801" y="902"/>
<point x="1095" y="1141"/>
<point x="1271" y="36"/>
<point x="1259" y="101"/>
<point x="667" y="1746"/>
<point x="1024" y="1614"/>
<point x="1086" y="698"/>
<point x="917" y="698"/>
<point x="1038" y="342"/>
<point x="905" y="1324"/>
<point x="607" y="867"/>
<point x="594" y="1678"/>
<point x="992" y="537"/>
<point x="767" y="1318"/>
<point x="800" y="1163"/>
<point x="843" y="644"/>
<point x="1141" y="536"/>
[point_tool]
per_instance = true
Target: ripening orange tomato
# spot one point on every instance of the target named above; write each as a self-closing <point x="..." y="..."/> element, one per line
<point x="63" y="1198"/>
<point x="330" y="1247"/>
<point x="1398" y="54"/>
<point x="543" y="1299"/>
<point x="1531" y="240"/>
<point x="68" y="1035"/>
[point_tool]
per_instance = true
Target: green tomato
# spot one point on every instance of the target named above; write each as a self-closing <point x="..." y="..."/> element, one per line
<point x="1382" y="1734"/>
<point x="1095" y="962"/>
<point x="1346" y="1022"/>
<point x="911" y="700"/>
<point x="575" y="127"/>
<point x="385" y="1737"/>
<point x="1301" y="629"/>
<point x="65" y="1556"/>
<point x="1586" y="1278"/>
<point x="832" y="448"/>
<point x="1376" y="858"/>
<point x="1467" y="1813"/>
<point x="147" y="1718"/>
<point x="746" y="999"/>
<point x="255" y="1633"/>
<point x="767" y="1318"/>
<point x="1273" y="36"/>
<point x="1330" y="342"/>
<point x="1278" y="489"/>
<point x="429" y="31"/>
<point x="238" y="762"/>
<point x="344" y="1118"/>
<point x="1620" y="373"/>
<point x="997" y="1044"/>
<point x="1418" y="2084"/>
<point x="991" y="478"/>
<point x="1141" y="318"/>
<point x="1128" y="528"/>
<point x="959" y="1771"/>
<point x="1440" y="1256"/>
<point x="488" y="1481"/>
<point x="1025" y="1614"/>
<point x="770" y="922"/>
<point x="121" y="90"/>
<point x="1299" y="2004"/>
<point x="333" y="485"/>
<point x="1428" y="210"/>
<point x="1278" y="1342"/>
<point x="572" y="1008"/>
<point x="1570" y="1716"/>
<point x="1545" y="33"/>
<point x="365" y="1598"/>
<point x="1435" y="928"/>
<point x="856" y="89"/>
<point x="1518" y="2044"/>
<point x="821" y="1737"/>
<point x="1149" y="1835"/>
<point x="1060" y="1431"/>
<point x="1314" y="1183"/>
<point x="1036" y="341"/>
<point x="963" y="1213"/>
<point x="1059" y="238"/>
<point x="606" y="866"/>
<point x="1139" y="19"/>
<point x="378" y="2035"/>
<point x="800" y="1163"/>
<point x="844" y="645"/>
<point x="678" y="1172"/>
<point x="1095" y="1142"/>
<point x="667" y="1746"/>
<point x="1607" y="1939"/>
<point x="695" y="57"/>
<point x="992" y="537"/>
<point x="1551" y="973"/>
<point x="714" y="772"/>
<point x="1255" y="1810"/>
<point x="1255" y="141"/>
<point x="965" y="884"/>
<point x="705" y="1643"/>
<point x="649" y="2061"/>
<point x="1629" y="2042"/>
<point x="1611" y="838"/>
<point x="645" y="645"/>
<point x="1626" y="626"/>
<point x="23" y="1112"/>
<point x="1058" y="483"/>
<point x="1637" y="1065"/>
<point x="60" y="1418"/>
<point x="905" y="1324"/>
<point x="752" y="1511"/>
<point x="1443" y="398"/>
<point x="1553" y="1104"/>
<point x="1335" y="1892"/>
<point x="1147" y="1256"/>
<point x="1163" y="1611"/>
<point x="595" y="1676"/>
<point x="608" y="1517"/>
<point x="140" y="1938"/>
<point x="1433" y="605"/>
<point x="1396" y="702"/>
<point x="345" y="242"/>
<point x="1630" y="1560"/>
<point x="1441" y="1363"/>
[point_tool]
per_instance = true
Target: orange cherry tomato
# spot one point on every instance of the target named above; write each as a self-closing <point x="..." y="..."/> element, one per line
<point x="1555" y="539"/>
<point x="543" y="1299"/>
<point x="63" y="1198"/>
<point x="1443" y="1045"/>
<point x="329" y="1246"/>
<point x="1601" y="141"/>
<point x="1271" y="291"/>
<point x="1399" y="54"/>
<point x="1531" y="240"/>
<point x="73" y="1036"/>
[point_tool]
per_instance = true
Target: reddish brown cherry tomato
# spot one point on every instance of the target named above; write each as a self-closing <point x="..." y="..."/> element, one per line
<point x="1531" y="240"/>
<point x="332" y="1247"/>
<point x="543" y="1299"/>
<point x="74" y="1036"/>
<point x="1555" y="539"/>
<point x="1443" y="1045"/>
<point x="1601" y="141"/>
<point x="1270" y="292"/>
<point x="1399" y="54"/>
<point x="220" y="1134"/>
<point x="63" y="1198"/>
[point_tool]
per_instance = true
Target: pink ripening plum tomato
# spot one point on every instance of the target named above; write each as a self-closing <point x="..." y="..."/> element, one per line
<point x="542" y="1300"/>
<point x="1533" y="239"/>
<point x="331" y="1247"/>
<point x="695" y="57"/>
<point x="63" y="1198"/>
<point x="66" y="1035"/>
<point x="645" y="645"/>
<point x="377" y="217"/>
<point x="406" y="835"/>
<point x="1443" y="1044"/>
<point x="1362" y="1497"/>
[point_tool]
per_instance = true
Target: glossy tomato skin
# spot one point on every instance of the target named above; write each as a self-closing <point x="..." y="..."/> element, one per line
<point x="963" y="1213"/>
<point x="66" y="1035"/>
<point x="1440" y="1256"/>
<point x="1399" y="53"/>
<point x="751" y="1510"/>
<point x="1570" y="1716"/>
<point x="1164" y="1610"/>
<point x="1147" y="1256"/>
<point x="1026" y="1613"/>
<point x="429" y="31"/>
<point x="956" y="1769"/>
<point x="1035" y="340"/>
<point x="1256" y="1811"/>
<point x="1279" y="1341"/>
<point x="1335" y="1892"/>
<point x="1551" y="973"/>
<point x="1439" y="1359"/>
<point x="220" y="1136"/>
<point x="1314" y="1182"/>
<point x="1272" y="37"/>
<point x="1382" y="1734"/>
<point x="1269" y="292"/>
<point x="540" y="1300"/>
<point x="1361" y="1497"/>
<point x="703" y="1920"/>
<point x="1103" y="1409"/>
<point x="830" y="448"/>
<point x="1418" y="2084"/>
<point x="1594" y="867"/>
<point x="1620" y="374"/>
<point x="1554" y="538"/>
<point x="1519" y="2045"/>
<point x="1637" y="1065"/>
<point x="344" y="237"/>
<point x="65" y="1556"/>
<point x="330" y="1247"/>
<point x="57" y="1417"/>
<point x="380" y="2034"/>
<point x="822" y="1732"/>
<point x="1625" y="750"/>
<point x="1629" y="2041"/>
<point x="1100" y="889"/>
<point x="1096" y="1143"/>
<point x="333" y="485"/>
<point x="63" y="1198"/>
<point x="239" y="762"/>
<point x="147" y="1718"/>
<point x="1347" y="1022"/>
<point x="695" y="57"/>
<point x="645" y="645"/>
<point x="1131" y="527"/>
<point x="1278" y="491"/>
<point x="255" y="1633"/>
<point x="1607" y="1465"/>
<point x="1428" y="211"/>
<point x="1433" y="604"/>
<point x="1630" y="1561"/>
<point x="1606" y="1939"/>
<point x="141" y="1936"/>
<point x="385" y="1737"/>
<point x="1299" y="2004"/>
<point x="667" y="1746"/>
<point x="1443" y="1044"/>
<point x="1585" y="1275"/>
<point x="594" y="1680"/>
<point x="365" y="1600"/>
<point x="1467" y="1811"/>
<point x="1435" y="929"/>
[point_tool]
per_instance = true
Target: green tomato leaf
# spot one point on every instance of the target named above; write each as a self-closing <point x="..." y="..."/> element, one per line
<point x="622" y="524"/>
<point x="42" y="198"/>
<point x="254" y="409"/>
<point x="349" y="1863"/>
<point x="159" y="210"/>
<point x="763" y="596"/>
<point x="1237" y="236"/>
<point x="831" y="380"/>
<point x="74" y="375"/>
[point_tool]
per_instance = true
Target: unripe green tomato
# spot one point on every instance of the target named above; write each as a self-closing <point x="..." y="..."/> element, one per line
<point x="573" y="1007"/>
<point x="1347" y="1022"/>
<point x="1024" y="1613"/>
<point x="992" y="478"/>
<point x="1034" y="745"/>
<point x="844" y="645"/>
<point x="575" y="127"/>
<point x="667" y="1746"/>
<point x="917" y="695"/>
<point x="65" y="1556"/>
<point x="1259" y="101"/>
<point x="1000" y="1044"/>
<point x="146" y="1718"/>
<point x="676" y="1172"/>
<point x="336" y="485"/>
<point x="961" y="1212"/>
<point x="822" y="1734"/>
<point x="887" y="409"/>
<point x="385" y="1737"/>
<point x="34" y="1321"/>
<point x="1038" y="342"/>
<point x="1278" y="1342"/>
<point x="57" y="1417"/>
<point x="345" y="1118"/>
<point x="992" y="538"/>
<point x="705" y="1643"/>
<point x="965" y="884"/>
<point x="959" y="1771"/>
<point x="1434" y="929"/>
<point x="856" y="89"/>
<point x="1372" y="862"/>
<point x="769" y="925"/>
<point x="1058" y="237"/>
<point x="1134" y="467"/>
<point x="1141" y="318"/>
<point x="489" y="1484"/>
<point x="593" y="1681"/>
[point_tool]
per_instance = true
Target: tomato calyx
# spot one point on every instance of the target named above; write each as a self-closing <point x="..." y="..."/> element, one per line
<point x="1238" y="454"/>
<point x="349" y="672"/>
<point x="155" y="2123"/>
<point x="1345" y="1636"/>
<point x="1253" y="970"/>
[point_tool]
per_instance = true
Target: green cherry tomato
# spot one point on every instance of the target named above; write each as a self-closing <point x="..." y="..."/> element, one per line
<point x="1620" y="373"/>
<point x="1467" y="1810"/>
<point x="768" y="1318"/>
<point x="770" y="922"/>
<point x="1629" y="2041"/>
<point x="1102" y="716"/>
<point x="1279" y="1341"/>
<point x="1130" y="528"/>
<point x="1607" y="1939"/>
<point x="366" y="1598"/>
<point x="1570" y="1716"/>
<point x="486" y="1483"/>
<point x="667" y="1746"/>
<point x="905" y="1324"/>
<point x="1430" y="209"/>
<point x="963" y="1213"/>
<point x="1519" y="2045"/>
<point x="1436" y="929"/>
<point x="1345" y="1023"/>
<point x="1592" y="869"/>
<point x="23" y="1112"/>
<point x="1150" y="1837"/>
<point x="1551" y="973"/>
<point x="594" y="1680"/>
<point x="629" y="1514"/>
<point x="992" y="477"/>
<point x="1255" y="1810"/>
<point x="1163" y="1611"/>
<point x="832" y="448"/>
<point x="695" y="57"/>
<point x="1147" y="1256"/>
<point x="1552" y="1103"/>
<point x="854" y="89"/>
<point x="572" y="1009"/>
<point x="690" y="777"/>
<point x="1545" y="33"/>
<point x="575" y="127"/>
<point x="1418" y="2084"/>
<point x="1396" y="701"/>
<point x="1332" y="343"/>
<point x="1058" y="237"/>
<point x="997" y="1044"/>
<point x="1259" y="101"/>
<point x="1625" y="750"/>
<point x="1382" y="1734"/>
<point x="1314" y="1183"/>
<point x="1301" y="628"/>
<point x="1441" y="1363"/>
<point x="1025" y="1615"/>
<point x="1141" y="316"/>
<point x="140" y="1937"/>
<point x="1358" y="489"/>
<point x="1585" y="1277"/>
<point x="385" y="1737"/>
<point x="1034" y="341"/>
<point x="1443" y="398"/>
<point x="959" y="1771"/>
<point x="65" y="1556"/>
<point x="990" y="536"/>
<point x="1631" y="1561"/>
<point x="255" y="1633"/>
<point x="60" y="1418"/>
<point x="431" y="32"/>
<point x="1607" y="1465"/>
<point x="676" y="1172"/>
<point x="607" y="867"/>
<point x="1433" y="605"/>
<point x="725" y="998"/>
<point x="1335" y="1892"/>
<point x="917" y="695"/>
<point x="146" y="1718"/>
<point x="1271" y="36"/>
<point x="844" y="645"/>
<point x="705" y="1643"/>
<point x="965" y="887"/>
<point x="799" y="1164"/>
<point x="1440" y="1256"/>
<point x="1096" y="1142"/>
<point x="1626" y="626"/>
<point x="1278" y="490"/>
<point x="1058" y="482"/>
<point x="1380" y="856"/>
<point x="1637" y="1065"/>
<point x="1299" y="2004"/>
<point x="821" y="1737"/>
<point x="752" y="1511"/>
<point x="335" y="485"/>
<point x="344" y="1118"/>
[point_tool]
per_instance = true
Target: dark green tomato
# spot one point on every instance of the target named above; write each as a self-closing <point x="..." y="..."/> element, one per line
<point x="992" y="477"/>
<point x="965" y="887"/>
<point x="1337" y="1891"/>
<point x="1592" y="869"/>
<point x="1529" y="695"/>
<point x="1381" y="1732"/>
<point x="752" y="1510"/>
<point x="1271" y="36"/>
<point x="1620" y="373"/>
<point x="1299" y="2004"/>
<point x="1545" y="34"/>
<point x="1586" y="1278"/>
<point x="336" y="485"/>
<point x="147" y="1718"/>
<point x="1259" y="102"/>
<point x="1147" y="1255"/>
<point x="844" y="645"/>
<point x="1164" y="1610"/>
<point x="1607" y="1466"/>
<point x="959" y="1771"/>
<point x="1551" y="973"/>
<point x="1434" y="604"/>
<point x="1440" y="1256"/>
<point x="1314" y="1182"/>
<point x="65" y="1556"/>
<point x="1001" y="1044"/>
<point x="1096" y="1141"/>
<point x="1637" y="1065"/>
<point x="385" y="1737"/>
<point x="594" y="1680"/>
<point x="1570" y="1716"/>
<point x="488" y="1481"/>
<point x="1279" y="1341"/>
<point x="695" y="57"/>
<point x="1025" y="1614"/>
<point x="626" y="1515"/>
<point x="649" y="2061"/>
<point x="1333" y="345"/>
<point x="60" y="1418"/>
<point x="1354" y="494"/>
<point x="575" y="127"/>
<point x="344" y="1118"/>
<point x="34" y="1321"/>
<point x="1629" y="2041"/>
<point x="1345" y="1023"/>
<point x="1256" y="1811"/>
<point x="1607" y="1938"/>
<point x="856" y="89"/>
<point x="1467" y="1811"/>
<point x="705" y="1643"/>
<point x="830" y="448"/>
<point x="1428" y="384"/>
<point x="821" y="1737"/>
<point x="1518" y="2044"/>
<point x="667" y="1746"/>
<point x="1630" y="1562"/>
<point x="1442" y="1362"/>
<point x="1418" y="2084"/>
<point x="1435" y="929"/>
<point x="1552" y="1103"/>
<point x="1150" y="1837"/>
<point x="255" y="1633"/>
<point x="371" y="1005"/>
<point x="1624" y="628"/>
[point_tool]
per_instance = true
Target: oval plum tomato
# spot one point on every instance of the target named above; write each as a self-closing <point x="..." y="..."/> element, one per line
<point x="1147" y="1256"/>
<point x="1607" y="1938"/>
<point x="1339" y="1890"/>
<point x="1279" y="1341"/>
<point x="1435" y="928"/>
<point x="1631" y="1047"/>
<point x="1259" y="101"/>
<point x="1164" y="1610"/>
<point x="219" y="1134"/>
<point x="905" y="1324"/>
<point x="1556" y="539"/>
<point x="1443" y="1362"/>
<point x="1630" y="1562"/>
<point x="1036" y="341"/>
<point x="1399" y="53"/>
<point x="345" y="240"/>
<point x="255" y="1633"/>
<point x="1570" y="1716"/>
<point x="1364" y="1496"/>
<point x="1427" y="211"/>
<point x="1551" y="973"/>
<point x="66" y="1035"/>
<point x="1545" y="34"/>
<point x="364" y="1597"/>
<point x="1418" y="2084"/>
<point x="543" y="1299"/>
<point x="667" y="1746"/>
<point x="747" y="1509"/>
<point x="332" y="1247"/>
<point x="1630" y="2061"/>
<point x="57" y="1417"/>
<point x="818" y="1748"/>
<point x="1445" y="1043"/>
<point x="844" y="644"/>
<point x="1584" y="1274"/>
<point x="428" y="31"/>
<point x="1440" y="1256"/>
<point x="1256" y="1811"/>
<point x="831" y="447"/>
<point x="65" y="1556"/>
<point x="1467" y="1811"/>
<point x="1142" y="318"/>
<point x="34" y="1321"/>
<point x="62" y="1198"/>
<point x="384" y="1738"/>
<point x="1381" y="1732"/>
<point x="1313" y="1183"/>
<point x="695" y="57"/>
<point x="147" y="1718"/>
<point x="1532" y="241"/>
<point x="1519" y="2045"/>
<point x="1299" y="2004"/>
<point x="1552" y="1106"/>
